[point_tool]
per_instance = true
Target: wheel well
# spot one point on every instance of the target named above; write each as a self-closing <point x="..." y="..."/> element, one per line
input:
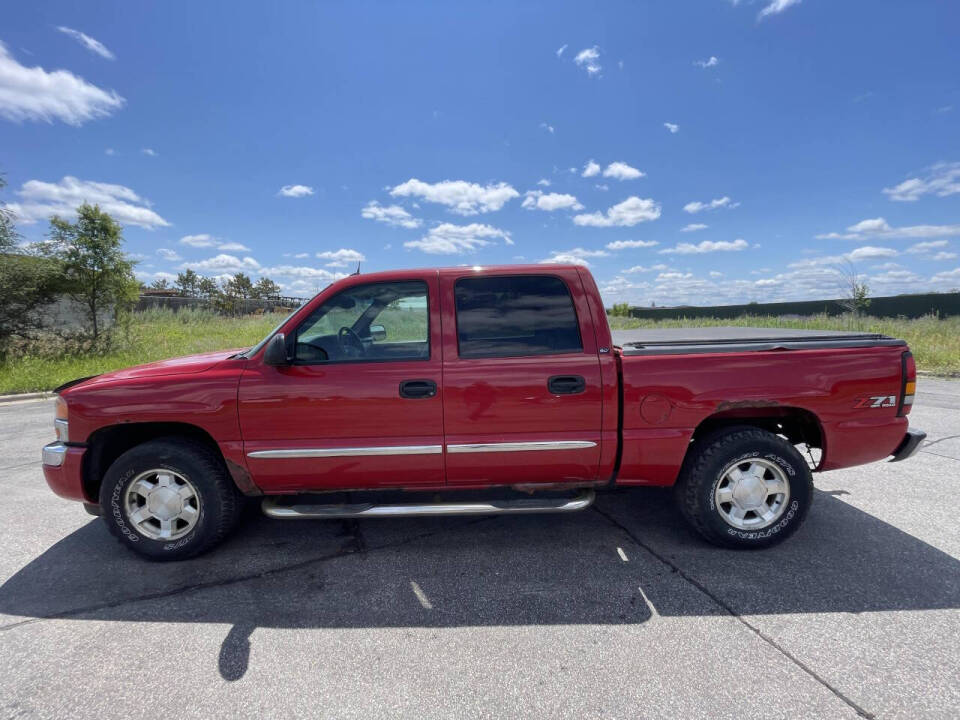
<point x="798" y="426"/>
<point x="107" y="444"/>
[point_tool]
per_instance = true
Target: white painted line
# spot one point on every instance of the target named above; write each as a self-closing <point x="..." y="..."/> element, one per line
<point x="653" y="610"/>
<point x="421" y="596"/>
<point x="622" y="554"/>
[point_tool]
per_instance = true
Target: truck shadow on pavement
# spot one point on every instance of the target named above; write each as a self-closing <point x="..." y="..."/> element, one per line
<point x="621" y="562"/>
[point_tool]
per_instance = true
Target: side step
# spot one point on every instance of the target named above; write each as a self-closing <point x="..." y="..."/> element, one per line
<point x="316" y="511"/>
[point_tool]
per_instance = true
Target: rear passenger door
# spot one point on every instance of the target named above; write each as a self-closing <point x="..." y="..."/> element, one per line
<point x="522" y="394"/>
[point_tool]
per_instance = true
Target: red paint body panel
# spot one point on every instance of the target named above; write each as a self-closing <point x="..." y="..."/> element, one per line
<point x="249" y="407"/>
<point x="67" y="479"/>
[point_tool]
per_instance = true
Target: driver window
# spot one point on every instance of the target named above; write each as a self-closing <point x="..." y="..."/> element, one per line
<point x="366" y="323"/>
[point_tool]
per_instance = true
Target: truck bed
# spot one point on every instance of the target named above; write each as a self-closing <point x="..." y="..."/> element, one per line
<point x="682" y="341"/>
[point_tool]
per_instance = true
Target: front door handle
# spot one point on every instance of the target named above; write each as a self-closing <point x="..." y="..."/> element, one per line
<point x="566" y="384"/>
<point x="418" y="389"/>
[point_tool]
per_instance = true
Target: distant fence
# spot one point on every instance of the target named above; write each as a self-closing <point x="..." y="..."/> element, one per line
<point x="239" y="306"/>
<point x="910" y="306"/>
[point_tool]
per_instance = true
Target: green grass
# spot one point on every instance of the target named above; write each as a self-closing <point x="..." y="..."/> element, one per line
<point x="935" y="342"/>
<point x="159" y="334"/>
<point x="153" y="335"/>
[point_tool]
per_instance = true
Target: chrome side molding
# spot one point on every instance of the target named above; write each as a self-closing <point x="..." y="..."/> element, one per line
<point x="422" y="449"/>
<point x="348" y="451"/>
<point x="316" y="511"/>
<point x="521" y="446"/>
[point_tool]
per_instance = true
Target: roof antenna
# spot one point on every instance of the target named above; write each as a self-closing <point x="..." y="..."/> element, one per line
<point x="358" y="268"/>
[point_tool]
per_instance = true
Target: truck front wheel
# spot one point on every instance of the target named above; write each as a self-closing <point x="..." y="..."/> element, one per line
<point x="169" y="499"/>
<point x="745" y="488"/>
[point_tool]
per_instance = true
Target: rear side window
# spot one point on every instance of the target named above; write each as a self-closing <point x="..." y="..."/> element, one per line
<point x="515" y="315"/>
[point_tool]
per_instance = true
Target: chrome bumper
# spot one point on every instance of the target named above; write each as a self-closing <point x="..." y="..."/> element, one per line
<point x="54" y="453"/>
<point x="909" y="445"/>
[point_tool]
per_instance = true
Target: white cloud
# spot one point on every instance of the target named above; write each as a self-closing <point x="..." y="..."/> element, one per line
<point x="343" y="255"/>
<point x="942" y="179"/>
<point x="41" y="199"/>
<point x="672" y="127"/>
<point x="543" y="182"/>
<point x="589" y="60"/>
<point x="94" y="46"/>
<point x="940" y="256"/>
<point x="625" y="244"/>
<point x="546" y="126"/>
<point x="622" y="171"/>
<point x="590" y="169"/>
<point x="949" y="276"/>
<point x="463" y="198"/>
<point x="694" y="227"/>
<point x="149" y="152"/>
<point x="539" y="200"/>
<point x="233" y="246"/>
<point x="659" y="267"/>
<point x="295" y="191"/>
<point x="880" y="228"/>
<point x="602" y="187"/>
<point x="715" y="274"/>
<point x="223" y="263"/>
<point x="707" y="246"/>
<point x="695" y="207"/>
<point x="775" y="7"/>
<point x="300" y="272"/>
<point x="168" y="254"/>
<point x="867" y="252"/>
<point x="201" y="240"/>
<point x="35" y="94"/>
<point x="628" y="213"/>
<point x="926" y="247"/>
<point x="711" y="61"/>
<point x="576" y="256"/>
<point x="449" y="239"/>
<point x="391" y="215"/>
<point x="560" y="50"/>
<point x="110" y="151"/>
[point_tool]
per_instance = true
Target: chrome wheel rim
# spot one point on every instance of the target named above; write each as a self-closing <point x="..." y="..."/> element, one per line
<point x="162" y="504"/>
<point x="752" y="493"/>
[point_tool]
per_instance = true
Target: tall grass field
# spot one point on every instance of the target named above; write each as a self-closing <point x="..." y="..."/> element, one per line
<point x="162" y="333"/>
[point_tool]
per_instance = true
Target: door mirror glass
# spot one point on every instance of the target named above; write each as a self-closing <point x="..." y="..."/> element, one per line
<point x="276" y="352"/>
<point x="378" y="332"/>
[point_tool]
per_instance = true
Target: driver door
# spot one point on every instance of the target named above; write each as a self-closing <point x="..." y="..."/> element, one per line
<point x="359" y="406"/>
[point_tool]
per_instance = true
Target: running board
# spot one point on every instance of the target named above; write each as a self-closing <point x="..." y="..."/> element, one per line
<point x="316" y="511"/>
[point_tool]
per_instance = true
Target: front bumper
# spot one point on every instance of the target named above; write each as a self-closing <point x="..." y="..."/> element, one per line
<point x="63" y="471"/>
<point x="909" y="445"/>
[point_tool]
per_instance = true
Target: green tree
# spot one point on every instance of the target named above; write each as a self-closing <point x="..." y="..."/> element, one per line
<point x="206" y="287"/>
<point x="27" y="283"/>
<point x="239" y="286"/>
<point x="160" y="284"/>
<point x="266" y="288"/>
<point x="97" y="273"/>
<point x="620" y="310"/>
<point x="187" y="283"/>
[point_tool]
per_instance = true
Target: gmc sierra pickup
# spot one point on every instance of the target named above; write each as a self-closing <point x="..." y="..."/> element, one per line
<point x="477" y="391"/>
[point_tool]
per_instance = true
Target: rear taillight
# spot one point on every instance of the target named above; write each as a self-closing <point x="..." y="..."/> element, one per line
<point x="908" y="386"/>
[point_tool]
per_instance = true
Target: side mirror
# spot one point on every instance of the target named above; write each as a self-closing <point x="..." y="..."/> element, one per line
<point x="276" y="352"/>
<point x="378" y="332"/>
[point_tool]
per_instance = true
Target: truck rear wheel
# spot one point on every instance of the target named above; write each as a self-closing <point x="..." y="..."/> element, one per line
<point x="745" y="488"/>
<point x="169" y="499"/>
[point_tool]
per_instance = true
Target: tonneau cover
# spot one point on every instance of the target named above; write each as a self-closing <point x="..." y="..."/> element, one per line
<point x="676" y="341"/>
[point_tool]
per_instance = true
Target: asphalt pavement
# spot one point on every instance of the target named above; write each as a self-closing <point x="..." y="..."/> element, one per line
<point x="614" y="612"/>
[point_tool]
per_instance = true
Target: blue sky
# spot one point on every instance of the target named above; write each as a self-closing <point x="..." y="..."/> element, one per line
<point x="699" y="152"/>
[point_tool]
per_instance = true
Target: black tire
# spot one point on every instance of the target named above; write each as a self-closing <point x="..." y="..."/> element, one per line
<point x="219" y="500"/>
<point x="704" y="469"/>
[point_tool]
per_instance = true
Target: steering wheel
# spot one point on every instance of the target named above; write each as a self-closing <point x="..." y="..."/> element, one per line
<point x="350" y="343"/>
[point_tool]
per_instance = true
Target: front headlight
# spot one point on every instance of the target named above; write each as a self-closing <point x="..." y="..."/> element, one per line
<point x="60" y="420"/>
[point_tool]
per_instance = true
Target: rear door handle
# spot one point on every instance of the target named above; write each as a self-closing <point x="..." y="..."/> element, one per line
<point x="418" y="389"/>
<point x="566" y="384"/>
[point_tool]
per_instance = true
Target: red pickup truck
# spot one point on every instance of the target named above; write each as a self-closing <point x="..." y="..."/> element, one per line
<point x="477" y="391"/>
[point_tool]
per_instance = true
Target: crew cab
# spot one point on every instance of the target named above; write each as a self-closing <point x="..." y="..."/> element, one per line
<point x="478" y="390"/>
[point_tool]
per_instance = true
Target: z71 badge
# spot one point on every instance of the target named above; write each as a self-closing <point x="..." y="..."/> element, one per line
<point x="877" y="401"/>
